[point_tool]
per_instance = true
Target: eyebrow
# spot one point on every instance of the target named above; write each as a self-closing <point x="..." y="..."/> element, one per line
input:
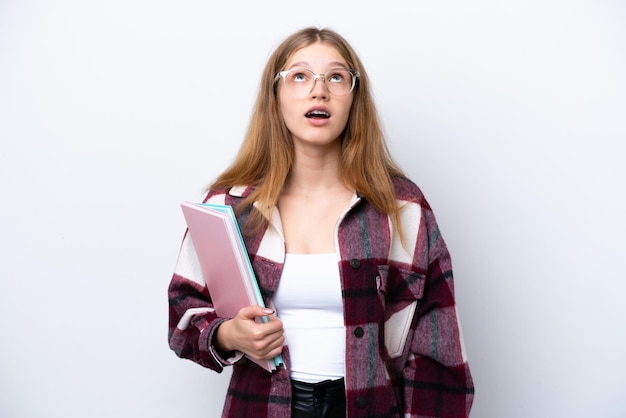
<point x="333" y="64"/>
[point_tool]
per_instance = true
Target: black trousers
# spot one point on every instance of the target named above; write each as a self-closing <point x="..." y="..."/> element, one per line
<point x="325" y="399"/>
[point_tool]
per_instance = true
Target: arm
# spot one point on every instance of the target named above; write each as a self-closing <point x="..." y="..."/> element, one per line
<point x="437" y="379"/>
<point x="192" y="320"/>
<point x="198" y="334"/>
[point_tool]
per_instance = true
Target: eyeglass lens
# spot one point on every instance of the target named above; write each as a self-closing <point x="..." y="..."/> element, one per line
<point x="300" y="81"/>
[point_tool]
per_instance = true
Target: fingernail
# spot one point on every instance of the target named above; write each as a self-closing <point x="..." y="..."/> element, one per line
<point x="268" y="311"/>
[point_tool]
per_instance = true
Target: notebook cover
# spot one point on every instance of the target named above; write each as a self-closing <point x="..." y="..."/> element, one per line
<point x="224" y="261"/>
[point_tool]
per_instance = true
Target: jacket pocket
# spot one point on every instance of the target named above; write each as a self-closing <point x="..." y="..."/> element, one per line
<point x="400" y="292"/>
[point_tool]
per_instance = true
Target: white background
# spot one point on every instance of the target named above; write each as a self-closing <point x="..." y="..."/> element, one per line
<point x="509" y="115"/>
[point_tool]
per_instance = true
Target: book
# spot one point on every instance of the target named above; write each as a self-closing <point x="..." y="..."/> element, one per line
<point x="224" y="262"/>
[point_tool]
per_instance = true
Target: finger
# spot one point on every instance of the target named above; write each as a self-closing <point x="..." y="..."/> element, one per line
<point x="274" y="325"/>
<point x="254" y="311"/>
<point x="269" y="350"/>
<point x="264" y="335"/>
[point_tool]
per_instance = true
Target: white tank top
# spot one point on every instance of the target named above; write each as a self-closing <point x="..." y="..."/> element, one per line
<point x="308" y="301"/>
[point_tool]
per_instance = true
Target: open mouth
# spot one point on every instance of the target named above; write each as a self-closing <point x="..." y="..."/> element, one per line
<point x="319" y="114"/>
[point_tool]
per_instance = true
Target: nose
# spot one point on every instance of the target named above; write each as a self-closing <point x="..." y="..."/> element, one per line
<point x="319" y="89"/>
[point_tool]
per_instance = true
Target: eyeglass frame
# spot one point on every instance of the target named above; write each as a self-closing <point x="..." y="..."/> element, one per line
<point x="354" y="73"/>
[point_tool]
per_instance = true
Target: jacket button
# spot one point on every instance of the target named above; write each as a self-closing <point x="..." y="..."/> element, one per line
<point x="358" y="332"/>
<point x="355" y="264"/>
<point x="361" y="402"/>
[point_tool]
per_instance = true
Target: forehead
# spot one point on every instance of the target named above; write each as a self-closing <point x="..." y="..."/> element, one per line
<point x="316" y="56"/>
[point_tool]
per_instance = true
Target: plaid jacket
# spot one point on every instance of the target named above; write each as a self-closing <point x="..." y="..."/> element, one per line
<point x="404" y="350"/>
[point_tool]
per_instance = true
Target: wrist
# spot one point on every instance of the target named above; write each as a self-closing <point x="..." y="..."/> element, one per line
<point x="220" y="338"/>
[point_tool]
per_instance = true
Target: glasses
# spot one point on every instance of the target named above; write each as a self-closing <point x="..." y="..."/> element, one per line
<point x="301" y="81"/>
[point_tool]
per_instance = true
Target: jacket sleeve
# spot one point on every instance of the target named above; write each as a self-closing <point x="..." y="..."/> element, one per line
<point x="192" y="319"/>
<point x="437" y="378"/>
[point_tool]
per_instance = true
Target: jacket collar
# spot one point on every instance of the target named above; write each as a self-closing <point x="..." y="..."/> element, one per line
<point x="241" y="191"/>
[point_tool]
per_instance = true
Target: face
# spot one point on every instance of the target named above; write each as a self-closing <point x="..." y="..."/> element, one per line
<point x="318" y="117"/>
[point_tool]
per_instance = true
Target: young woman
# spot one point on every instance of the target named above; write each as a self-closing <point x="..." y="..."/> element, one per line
<point x="346" y="251"/>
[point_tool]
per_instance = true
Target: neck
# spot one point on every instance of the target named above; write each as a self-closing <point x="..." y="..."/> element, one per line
<point x="314" y="172"/>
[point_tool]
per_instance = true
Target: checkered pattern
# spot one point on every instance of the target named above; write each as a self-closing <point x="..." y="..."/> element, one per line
<point x="404" y="350"/>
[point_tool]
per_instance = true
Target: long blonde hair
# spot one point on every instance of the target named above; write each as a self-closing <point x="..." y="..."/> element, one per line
<point x="267" y="152"/>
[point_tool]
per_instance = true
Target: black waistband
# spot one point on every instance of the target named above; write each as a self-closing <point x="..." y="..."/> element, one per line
<point x="318" y="400"/>
<point x="319" y="389"/>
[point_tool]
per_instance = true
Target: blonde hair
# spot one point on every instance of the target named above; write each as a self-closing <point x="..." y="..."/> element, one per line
<point x="266" y="155"/>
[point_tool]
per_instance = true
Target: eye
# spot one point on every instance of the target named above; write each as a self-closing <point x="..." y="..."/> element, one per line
<point x="299" y="77"/>
<point x="337" y="76"/>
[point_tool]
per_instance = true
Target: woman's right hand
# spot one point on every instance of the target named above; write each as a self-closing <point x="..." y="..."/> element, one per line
<point x="259" y="341"/>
